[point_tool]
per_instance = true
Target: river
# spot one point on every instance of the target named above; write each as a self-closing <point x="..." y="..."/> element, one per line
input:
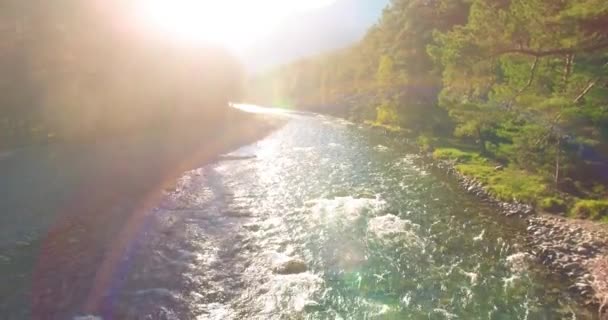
<point x="323" y="219"/>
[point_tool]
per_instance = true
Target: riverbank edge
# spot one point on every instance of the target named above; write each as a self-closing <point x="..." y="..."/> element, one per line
<point x="251" y="128"/>
<point x="566" y="246"/>
<point x="574" y="249"/>
<point x="97" y="226"/>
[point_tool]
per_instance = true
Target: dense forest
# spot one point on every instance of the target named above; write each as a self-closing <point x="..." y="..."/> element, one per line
<point x="73" y="70"/>
<point x="514" y="92"/>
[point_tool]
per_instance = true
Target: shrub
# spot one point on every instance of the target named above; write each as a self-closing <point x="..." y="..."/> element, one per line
<point x="552" y="205"/>
<point x="598" y="190"/>
<point x="590" y="209"/>
<point x="508" y="184"/>
<point x="458" y="155"/>
<point x="387" y="113"/>
<point x="512" y="184"/>
<point x="425" y="143"/>
<point x="481" y="172"/>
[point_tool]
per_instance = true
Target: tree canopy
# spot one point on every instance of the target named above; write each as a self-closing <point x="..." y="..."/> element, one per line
<point x="525" y="82"/>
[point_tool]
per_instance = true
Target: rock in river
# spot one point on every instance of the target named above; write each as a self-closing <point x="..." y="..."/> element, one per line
<point x="283" y="264"/>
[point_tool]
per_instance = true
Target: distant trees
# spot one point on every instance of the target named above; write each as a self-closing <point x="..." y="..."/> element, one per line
<point x="72" y="69"/>
<point x="524" y="81"/>
<point x="389" y="70"/>
<point x="386" y="74"/>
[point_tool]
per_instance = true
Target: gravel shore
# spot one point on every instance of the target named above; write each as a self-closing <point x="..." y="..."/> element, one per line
<point x="575" y="249"/>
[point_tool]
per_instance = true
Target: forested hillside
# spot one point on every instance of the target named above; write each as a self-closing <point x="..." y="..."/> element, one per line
<point x="514" y="91"/>
<point x="72" y="69"/>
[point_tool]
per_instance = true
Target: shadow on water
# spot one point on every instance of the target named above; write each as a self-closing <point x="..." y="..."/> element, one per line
<point x="192" y="242"/>
<point x="72" y="211"/>
<point x="359" y="227"/>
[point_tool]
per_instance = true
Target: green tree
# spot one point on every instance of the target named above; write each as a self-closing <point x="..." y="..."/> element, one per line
<point x="386" y="71"/>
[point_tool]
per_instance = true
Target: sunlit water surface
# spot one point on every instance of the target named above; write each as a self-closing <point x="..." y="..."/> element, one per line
<point x="382" y="235"/>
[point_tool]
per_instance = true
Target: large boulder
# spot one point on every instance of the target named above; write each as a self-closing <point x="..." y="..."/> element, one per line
<point x="283" y="264"/>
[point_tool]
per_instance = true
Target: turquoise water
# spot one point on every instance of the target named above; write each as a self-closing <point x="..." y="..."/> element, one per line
<point x="382" y="235"/>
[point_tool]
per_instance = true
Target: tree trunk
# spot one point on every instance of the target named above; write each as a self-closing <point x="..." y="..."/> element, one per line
<point x="568" y="69"/>
<point x="528" y="84"/>
<point x="590" y="86"/>
<point x="557" y="162"/>
<point x="482" y="142"/>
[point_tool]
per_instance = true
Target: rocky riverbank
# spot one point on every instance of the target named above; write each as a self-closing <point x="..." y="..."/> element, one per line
<point x="570" y="247"/>
<point x="477" y="188"/>
<point x="575" y="249"/>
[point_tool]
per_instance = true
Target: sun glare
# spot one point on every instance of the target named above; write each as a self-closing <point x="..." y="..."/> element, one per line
<point x="235" y="24"/>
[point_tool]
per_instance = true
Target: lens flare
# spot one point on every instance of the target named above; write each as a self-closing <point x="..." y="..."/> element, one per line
<point x="235" y="24"/>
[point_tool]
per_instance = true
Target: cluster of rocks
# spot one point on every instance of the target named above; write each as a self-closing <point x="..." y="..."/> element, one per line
<point x="599" y="271"/>
<point x="567" y="247"/>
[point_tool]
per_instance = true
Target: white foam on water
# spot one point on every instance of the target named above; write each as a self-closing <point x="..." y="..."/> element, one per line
<point x="189" y="255"/>
<point x="446" y="314"/>
<point x="406" y="299"/>
<point x="182" y="261"/>
<point x="509" y="282"/>
<point x="466" y="296"/>
<point x="409" y="167"/>
<point x="216" y="311"/>
<point x="378" y="310"/>
<point x="271" y="222"/>
<point x="406" y="161"/>
<point x="381" y="148"/>
<point x="88" y="317"/>
<point x="390" y="229"/>
<point x="345" y="209"/>
<point x="335" y="122"/>
<point x="480" y="236"/>
<point x="290" y="294"/>
<point x="273" y="239"/>
<point x="345" y="122"/>
<point x="344" y="166"/>
<point x="473" y="276"/>
<point x="519" y="262"/>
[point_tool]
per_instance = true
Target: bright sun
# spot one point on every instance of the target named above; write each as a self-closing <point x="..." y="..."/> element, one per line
<point x="233" y="23"/>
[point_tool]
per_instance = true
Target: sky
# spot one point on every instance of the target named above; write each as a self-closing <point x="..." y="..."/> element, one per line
<point x="313" y="32"/>
<point x="262" y="33"/>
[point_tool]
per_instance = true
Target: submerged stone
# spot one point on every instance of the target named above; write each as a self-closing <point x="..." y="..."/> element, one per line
<point x="288" y="265"/>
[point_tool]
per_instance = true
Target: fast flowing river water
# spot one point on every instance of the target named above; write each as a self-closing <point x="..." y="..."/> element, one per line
<point x="329" y="220"/>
